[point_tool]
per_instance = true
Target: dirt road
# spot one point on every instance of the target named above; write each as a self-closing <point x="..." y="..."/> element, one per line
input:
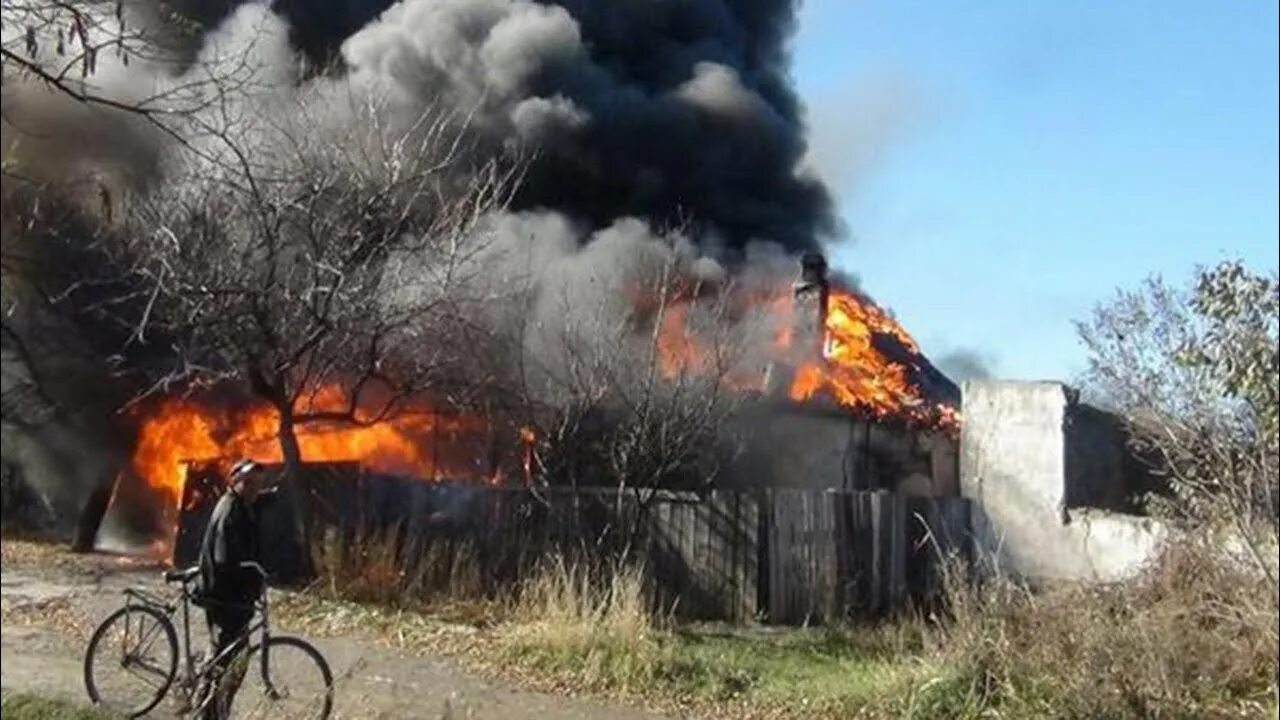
<point x="50" y="607"/>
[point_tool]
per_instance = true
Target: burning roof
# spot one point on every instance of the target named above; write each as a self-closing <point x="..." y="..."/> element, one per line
<point x="831" y="346"/>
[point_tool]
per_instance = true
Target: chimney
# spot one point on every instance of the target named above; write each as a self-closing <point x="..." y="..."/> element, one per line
<point x="809" y="320"/>
<point x="810" y="309"/>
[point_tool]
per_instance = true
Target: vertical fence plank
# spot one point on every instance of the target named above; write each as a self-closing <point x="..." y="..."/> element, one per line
<point x="801" y="585"/>
<point x="748" y="524"/>
<point x="840" y="534"/>
<point x="712" y="591"/>
<point x="780" y="585"/>
<point x="777" y="560"/>
<point x="898" y="557"/>
<point x="828" y="564"/>
<point x="812" y="557"/>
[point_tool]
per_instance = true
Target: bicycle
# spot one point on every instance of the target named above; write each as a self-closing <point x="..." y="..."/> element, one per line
<point x="148" y="654"/>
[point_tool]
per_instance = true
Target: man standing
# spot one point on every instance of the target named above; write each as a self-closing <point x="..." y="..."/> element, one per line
<point x="228" y="590"/>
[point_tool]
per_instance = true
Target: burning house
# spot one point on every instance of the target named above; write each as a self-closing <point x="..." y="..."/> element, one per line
<point x="842" y="400"/>
<point x="815" y="418"/>
<point x="851" y="404"/>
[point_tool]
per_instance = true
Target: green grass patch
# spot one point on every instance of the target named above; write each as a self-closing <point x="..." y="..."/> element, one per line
<point x="841" y="672"/>
<point x="572" y="628"/>
<point x="24" y="706"/>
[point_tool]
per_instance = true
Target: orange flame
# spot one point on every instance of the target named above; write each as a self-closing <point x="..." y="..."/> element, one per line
<point x="851" y="370"/>
<point x="679" y="352"/>
<point x="415" y="442"/>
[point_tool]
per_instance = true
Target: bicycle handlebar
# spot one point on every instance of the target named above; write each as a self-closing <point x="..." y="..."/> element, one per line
<point x="251" y="565"/>
<point x="181" y="574"/>
<point x="189" y="573"/>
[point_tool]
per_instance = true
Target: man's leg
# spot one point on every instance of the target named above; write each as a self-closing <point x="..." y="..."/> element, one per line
<point x="227" y="626"/>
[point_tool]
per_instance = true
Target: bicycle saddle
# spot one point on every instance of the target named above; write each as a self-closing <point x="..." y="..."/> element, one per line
<point x="181" y="574"/>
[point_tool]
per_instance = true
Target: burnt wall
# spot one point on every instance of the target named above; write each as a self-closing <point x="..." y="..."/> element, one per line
<point x="804" y="447"/>
<point x="1101" y="470"/>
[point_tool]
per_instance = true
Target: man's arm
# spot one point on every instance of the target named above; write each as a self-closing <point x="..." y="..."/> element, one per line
<point x="216" y="536"/>
<point x="242" y="539"/>
<point x="230" y="546"/>
<point x="236" y="531"/>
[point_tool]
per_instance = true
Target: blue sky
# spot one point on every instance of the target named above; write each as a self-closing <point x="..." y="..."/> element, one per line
<point x="1003" y="166"/>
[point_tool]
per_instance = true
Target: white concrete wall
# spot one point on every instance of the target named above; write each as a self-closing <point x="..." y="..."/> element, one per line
<point x="1012" y="465"/>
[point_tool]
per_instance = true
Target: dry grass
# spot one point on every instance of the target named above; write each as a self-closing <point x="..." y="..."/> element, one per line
<point x="58" y="614"/>
<point x="41" y="555"/>
<point x="384" y="567"/>
<point x="39" y="558"/>
<point x="566" y="594"/>
<point x="1196" y="636"/>
<point x="581" y="628"/>
<point x="1192" y="637"/>
<point x="593" y="627"/>
<point x="23" y="551"/>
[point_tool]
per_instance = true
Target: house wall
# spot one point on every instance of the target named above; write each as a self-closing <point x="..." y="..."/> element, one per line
<point x="786" y="445"/>
<point x="1028" y="457"/>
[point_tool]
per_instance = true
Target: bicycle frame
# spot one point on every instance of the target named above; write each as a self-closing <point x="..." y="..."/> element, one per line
<point x="189" y="674"/>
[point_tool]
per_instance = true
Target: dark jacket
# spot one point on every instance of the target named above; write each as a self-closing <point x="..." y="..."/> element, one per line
<point x="230" y="539"/>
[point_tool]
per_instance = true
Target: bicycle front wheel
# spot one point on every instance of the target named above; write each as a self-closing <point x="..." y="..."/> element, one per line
<point x="131" y="660"/>
<point x="285" y="679"/>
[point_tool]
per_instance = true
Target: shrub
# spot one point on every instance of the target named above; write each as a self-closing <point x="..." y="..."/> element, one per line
<point x="1194" y="636"/>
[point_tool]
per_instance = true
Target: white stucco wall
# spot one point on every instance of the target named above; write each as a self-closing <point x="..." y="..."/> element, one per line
<point x="1012" y="465"/>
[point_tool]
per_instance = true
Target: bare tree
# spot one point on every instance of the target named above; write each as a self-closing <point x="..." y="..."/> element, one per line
<point x="284" y="262"/>
<point x="637" y="399"/>
<point x="94" y="98"/>
<point x="60" y="45"/>
<point x="283" y="238"/>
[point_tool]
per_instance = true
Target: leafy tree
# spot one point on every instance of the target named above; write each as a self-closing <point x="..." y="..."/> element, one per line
<point x="1194" y="371"/>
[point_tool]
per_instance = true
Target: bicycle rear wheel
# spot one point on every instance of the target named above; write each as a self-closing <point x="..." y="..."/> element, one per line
<point x="131" y="660"/>
<point x="293" y="683"/>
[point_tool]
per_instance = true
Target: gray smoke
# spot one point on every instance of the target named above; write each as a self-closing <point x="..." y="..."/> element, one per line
<point x="675" y="112"/>
<point x="965" y="364"/>
<point x="666" y="111"/>
<point x="855" y="128"/>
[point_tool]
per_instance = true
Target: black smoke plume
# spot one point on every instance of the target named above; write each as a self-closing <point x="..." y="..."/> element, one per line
<point x="674" y="111"/>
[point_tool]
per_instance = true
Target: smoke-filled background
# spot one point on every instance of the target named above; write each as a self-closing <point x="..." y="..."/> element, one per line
<point x="650" y="135"/>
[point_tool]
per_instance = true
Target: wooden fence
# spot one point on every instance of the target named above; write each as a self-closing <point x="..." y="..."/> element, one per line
<point x="833" y="554"/>
<point x="782" y="556"/>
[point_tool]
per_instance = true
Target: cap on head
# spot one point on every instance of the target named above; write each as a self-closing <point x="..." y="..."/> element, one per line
<point x="242" y="469"/>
